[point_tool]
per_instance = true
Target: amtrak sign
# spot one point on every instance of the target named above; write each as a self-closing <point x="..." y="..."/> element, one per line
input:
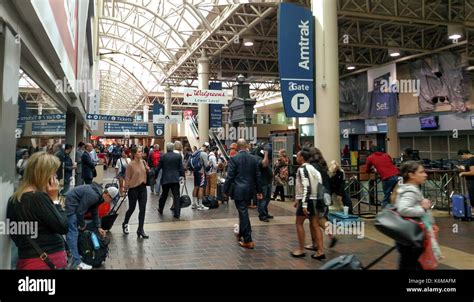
<point x="296" y="59"/>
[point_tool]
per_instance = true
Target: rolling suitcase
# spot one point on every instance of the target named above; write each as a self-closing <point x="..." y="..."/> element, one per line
<point x="220" y="193"/>
<point x="351" y="262"/>
<point x="461" y="207"/>
<point x="108" y="220"/>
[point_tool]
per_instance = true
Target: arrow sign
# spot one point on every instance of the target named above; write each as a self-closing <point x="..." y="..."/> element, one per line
<point x="202" y="96"/>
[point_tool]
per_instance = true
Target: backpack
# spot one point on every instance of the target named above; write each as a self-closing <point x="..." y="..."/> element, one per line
<point x="90" y="255"/>
<point x="195" y="162"/>
<point x="122" y="167"/>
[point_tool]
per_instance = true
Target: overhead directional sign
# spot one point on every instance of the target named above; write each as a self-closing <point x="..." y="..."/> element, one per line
<point x="167" y="119"/>
<point x="296" y="59"/>
<point x="159" y="129"/>
<point x="113" y="118"/>
<point x="202" y="96"/>
<point x="44" y="117"/>
<point x="48" y="128"/>
<point x="125" y="129"/>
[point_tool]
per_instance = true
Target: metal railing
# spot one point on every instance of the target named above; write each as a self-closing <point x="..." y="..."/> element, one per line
<point x="366" y="187"/>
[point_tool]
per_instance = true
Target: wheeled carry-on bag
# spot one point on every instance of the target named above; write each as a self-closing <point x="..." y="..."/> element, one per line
<point x="461" y="207"/>
<point x="108" y="220"/>
<point x="351" y="262"/>
<point x="220" y="192"/>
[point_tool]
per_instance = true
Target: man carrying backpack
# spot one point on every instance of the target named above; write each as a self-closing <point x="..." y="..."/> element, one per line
<point x="199" y="163"/>
<point x="79" y="201"/>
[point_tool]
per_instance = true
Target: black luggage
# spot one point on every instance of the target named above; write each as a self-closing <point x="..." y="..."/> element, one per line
<point x="210" y="201"/>
<point x="108" y="220"/>
<point x="351" y="262"/>
<point x="91" y="255"/>
<point x="220" y="193"/>
<point x="184" y="200"/>
<point x="113" y="183"/>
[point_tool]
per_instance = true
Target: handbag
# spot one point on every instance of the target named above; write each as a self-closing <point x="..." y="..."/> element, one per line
<point x="405" y="231"/>
<point x="150" y="177"/>
<point x="184" y="200"/>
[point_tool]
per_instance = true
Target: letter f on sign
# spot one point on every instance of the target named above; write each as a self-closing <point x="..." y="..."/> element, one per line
<point x="300" y="101"/>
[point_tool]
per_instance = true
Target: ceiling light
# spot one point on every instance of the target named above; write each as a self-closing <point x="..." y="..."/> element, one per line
<point x="350" y="67"/>
<point x="248" y="42"/>
<point x="455" y="32"/>
<point x="393" y="52"/>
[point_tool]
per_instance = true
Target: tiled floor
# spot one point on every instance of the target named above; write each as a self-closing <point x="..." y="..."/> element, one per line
<point x="205" y="240"/>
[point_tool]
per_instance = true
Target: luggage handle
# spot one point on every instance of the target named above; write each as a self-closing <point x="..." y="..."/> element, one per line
<point x="119" y="203"/>
<point x="379" y="258"/>
<point x="184" y="187"/>
<point x="463" y="185"/>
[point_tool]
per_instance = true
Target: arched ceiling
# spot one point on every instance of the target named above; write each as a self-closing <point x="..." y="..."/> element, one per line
<point x="158" y="41"/>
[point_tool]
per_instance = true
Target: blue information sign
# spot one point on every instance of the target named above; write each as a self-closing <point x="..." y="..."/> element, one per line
<point x="48" y="128"/>
<point x="159" y="129"/>
<point x="215" y="110"/>
<point x="121" y="129"/>
<point x="113" y="118"/>
<point x="44" y="117"/>
<point x="296" y="59"/>
<point x="215" y="115"/>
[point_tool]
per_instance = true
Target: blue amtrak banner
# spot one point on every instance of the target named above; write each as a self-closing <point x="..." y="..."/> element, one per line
<point x="383" y="102"/>
<point x="296" y="59"/>
<point x="113" y="118"/>
<point x="158" y="109"/>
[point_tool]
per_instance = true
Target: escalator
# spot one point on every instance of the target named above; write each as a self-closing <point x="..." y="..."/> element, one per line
<point x="192" y="133"/>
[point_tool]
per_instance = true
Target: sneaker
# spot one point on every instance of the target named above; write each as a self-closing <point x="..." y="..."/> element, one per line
<point x="194" y="206"/>
<point x="83" y="266"/>
<point x="202" y="208"/>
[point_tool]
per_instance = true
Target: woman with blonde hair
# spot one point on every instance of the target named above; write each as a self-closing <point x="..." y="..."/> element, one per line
<point x="36" y="201"/>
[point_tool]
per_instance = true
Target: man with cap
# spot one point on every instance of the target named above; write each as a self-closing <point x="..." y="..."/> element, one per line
<point x="79" y="201"/>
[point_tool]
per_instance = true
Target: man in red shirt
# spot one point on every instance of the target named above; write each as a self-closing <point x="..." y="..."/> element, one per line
<point x="387" y="170"/>
<point x="153" y="161"/>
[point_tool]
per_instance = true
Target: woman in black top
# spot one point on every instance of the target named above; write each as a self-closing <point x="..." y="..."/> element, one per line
<point x="36" y="204"/>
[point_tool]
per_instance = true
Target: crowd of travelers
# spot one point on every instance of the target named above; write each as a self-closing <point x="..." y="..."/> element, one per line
<point x="45" y="194"/>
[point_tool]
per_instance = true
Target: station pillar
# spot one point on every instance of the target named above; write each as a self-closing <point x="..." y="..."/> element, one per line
<point x="203" y="109"/>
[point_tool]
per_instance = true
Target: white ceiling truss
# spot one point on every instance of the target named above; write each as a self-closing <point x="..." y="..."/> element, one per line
<point x="158" y="42"/>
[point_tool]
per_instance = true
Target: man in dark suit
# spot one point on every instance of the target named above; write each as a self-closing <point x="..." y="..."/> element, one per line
<point x="172" y="165"/>
<point x="88" y="166"/>
<point x="242" y="183"/>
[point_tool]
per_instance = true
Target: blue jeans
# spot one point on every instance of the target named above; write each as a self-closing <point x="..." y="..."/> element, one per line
<point x="388" y="186"/>
<point x="72" y="235"/>
<point x="244" y="221"/>
<point x="263" y="204"/>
